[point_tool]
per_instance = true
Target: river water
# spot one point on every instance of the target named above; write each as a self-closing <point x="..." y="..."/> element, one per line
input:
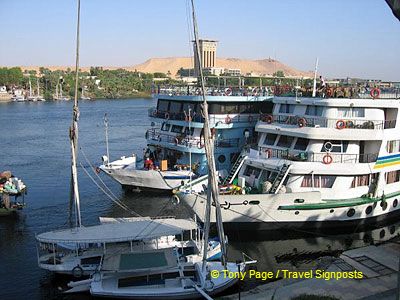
<point x="34" y="145"/>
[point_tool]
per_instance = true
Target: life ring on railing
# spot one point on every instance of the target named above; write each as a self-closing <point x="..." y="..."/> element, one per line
<point x="269" y="119"/>
<point x="228" y="91"/>
<point x="197" y="91"/>
<point x="268" y="152"/>
<point x="327" y="159"/>
<point x="254" y="91"/>
<point x="213" y="131"/>
<point x="302" y="122"/>
<point x="250" y="119"/>
<point x="340" y="124"/>
<point x="98" y="170"/>
<point x="166" y="116"/>
<point x="375" y="93"/>
<point x="200" y="145"/>
<point x="228" y="120"/>
<point x="329" y="92"/>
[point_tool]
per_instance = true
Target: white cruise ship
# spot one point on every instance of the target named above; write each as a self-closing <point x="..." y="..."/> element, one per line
<point x="319" y="162"/>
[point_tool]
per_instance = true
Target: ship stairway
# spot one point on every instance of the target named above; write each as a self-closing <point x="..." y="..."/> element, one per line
<point x="235" y="168"/>
<point x="280" y="178"/>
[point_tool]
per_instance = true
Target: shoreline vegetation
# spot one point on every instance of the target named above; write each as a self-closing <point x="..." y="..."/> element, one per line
<point x="98" y="83"/>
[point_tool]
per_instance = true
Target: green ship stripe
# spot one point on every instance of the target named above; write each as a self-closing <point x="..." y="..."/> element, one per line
<point x="336" y="203"/>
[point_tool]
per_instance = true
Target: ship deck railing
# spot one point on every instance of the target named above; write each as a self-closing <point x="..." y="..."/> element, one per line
<point x="186" y="141"/>
<point x="191" y="90"/>
<point x="213" y="118"/>
<point x="339" y="123"/>
<point x="308" y="156"/>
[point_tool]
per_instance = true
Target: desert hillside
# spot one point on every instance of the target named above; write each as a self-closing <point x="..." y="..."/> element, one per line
<point x="263" y="66"/>
<point x="173" y="64"/>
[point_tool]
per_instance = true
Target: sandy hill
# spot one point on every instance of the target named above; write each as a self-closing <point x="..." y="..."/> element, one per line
<point x="173" y="64"/>
<point x="263" y="66"/>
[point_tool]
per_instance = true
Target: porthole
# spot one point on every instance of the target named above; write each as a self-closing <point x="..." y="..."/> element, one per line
<point x="351" y="212"/>
<point x="368" y="210"/>
<point x="332" y="210"/>
<point x="254" y="202"/>
<point x="221" y="158"/>
<point x="383" y="205"/>
<point x="298" y="200"/>
<point x="392" y="229"/>
<point x="382" y="233"/>
<point x="296" y="212"/>
<point x="395" y="202"/>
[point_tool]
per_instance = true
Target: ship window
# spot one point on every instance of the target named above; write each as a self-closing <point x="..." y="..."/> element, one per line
<point x="270" y="139"/>
<point x="393" y="146"/>
<point x="229" y="109"/>
<point x="337" y="146"/>
<point x="285" y="141"/>
<point x="165" y="127"/>
<point x="314" y="110"/>
<point x="363" y="180"/>
<point x="162" y="105"/>
<point x="186" y="106"/>
<point x="320" y="181"/>
<point x="176" y="129"/>
<point x="245" y="108"/>
<point x="189" y="132"/>
<point x="252" y="171"/>
<point x="214" y="108"/>
<point x="301" y="144"/>
<point x="351" y="112"/>
<point x="393" y="176"/>
<point x="286" y="108"/>
<point x="265" y="107"/>
<point x="175" y="107"/>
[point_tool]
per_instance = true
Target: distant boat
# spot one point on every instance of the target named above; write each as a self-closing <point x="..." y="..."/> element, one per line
<point x="59" y="95"/>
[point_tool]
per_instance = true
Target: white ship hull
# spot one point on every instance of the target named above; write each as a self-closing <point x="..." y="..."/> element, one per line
<point x="268" y="211"/>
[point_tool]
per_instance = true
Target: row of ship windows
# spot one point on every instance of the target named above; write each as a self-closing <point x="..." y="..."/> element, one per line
<point x="301" y="144"/>
<point x="315" y="110"/>
<point x="327" y="181"/>
<point x="215" y="107"/>
<point x="177" y="129"/>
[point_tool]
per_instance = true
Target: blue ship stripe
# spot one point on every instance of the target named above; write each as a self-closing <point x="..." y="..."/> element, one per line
<point x="388" y="157"/>
<point x="177" y="177"/>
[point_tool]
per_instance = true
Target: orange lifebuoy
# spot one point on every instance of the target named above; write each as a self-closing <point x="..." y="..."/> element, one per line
<point x="250" y="118"/>
<point x="329" y="92"/>
<point x="166" y="115"/>
<point x="268" y="152"/>
<point x="188" y="118"/>
<point x="302" y="122"/>
<point x="375" y="93"/>
<point x="340" y="124"/>
<point x="213" y="131"/>
<point x="327" y="159"/>
<point x="269" y="119"/>
<point x="228" y="120"/>
<point x="228" y="91"/>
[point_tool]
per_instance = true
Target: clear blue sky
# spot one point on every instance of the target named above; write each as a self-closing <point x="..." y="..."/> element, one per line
<point x="351" y="37"/>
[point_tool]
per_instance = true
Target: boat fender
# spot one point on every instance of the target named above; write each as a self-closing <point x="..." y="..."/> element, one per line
<point x="213" y="131"/>
<point x="176" y="141"/>
<point x="302" y="122"/>
<point x="175" y="200"/>
<point x="200" y="145"/>
<point x="340" y="124"/>
<point x="166" y="116"/>
<point x="251" y="118"/>
<point x="375" y="93"/>
<point x="228" y="91"/>
<point x="77" y="271"/>
<point x="228" y="120"/>
<point x="327" y="159"/>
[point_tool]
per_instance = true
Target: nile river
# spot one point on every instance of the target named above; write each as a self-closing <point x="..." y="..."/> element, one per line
<point x="35" y="147"/>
